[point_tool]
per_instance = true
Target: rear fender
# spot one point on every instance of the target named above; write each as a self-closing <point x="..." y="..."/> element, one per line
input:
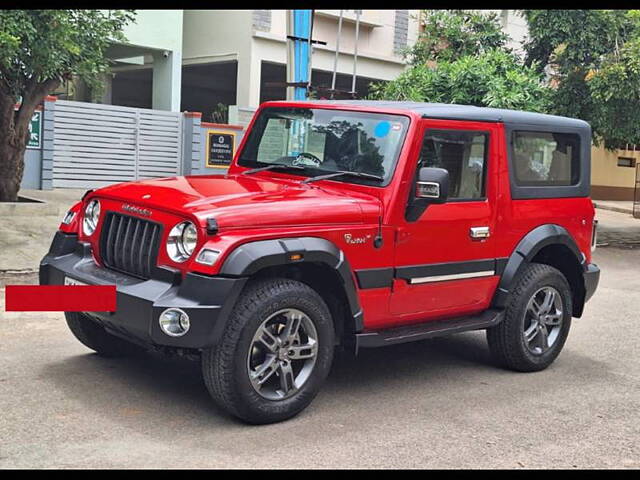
<point x="530" y="245"/>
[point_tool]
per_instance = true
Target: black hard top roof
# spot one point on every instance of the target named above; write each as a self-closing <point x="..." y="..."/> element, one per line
<point x="464" y="112"/>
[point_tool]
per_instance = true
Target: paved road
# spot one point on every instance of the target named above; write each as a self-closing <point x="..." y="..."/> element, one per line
<point x="618" y="229"/>
<point x="437" y="403"/>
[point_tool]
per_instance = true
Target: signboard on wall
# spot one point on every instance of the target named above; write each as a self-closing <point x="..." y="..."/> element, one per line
<point x="35" y="130"/>
<point x="220" y="149"/>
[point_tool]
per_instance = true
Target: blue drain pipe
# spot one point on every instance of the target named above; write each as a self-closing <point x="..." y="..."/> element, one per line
<point x="302" y="52"/>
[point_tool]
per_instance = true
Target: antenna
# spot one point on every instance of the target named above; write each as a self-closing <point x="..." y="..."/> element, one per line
<point x="378" y="240"/>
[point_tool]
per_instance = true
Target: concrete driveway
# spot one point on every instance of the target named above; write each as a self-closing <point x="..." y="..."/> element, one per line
<point x="433" y="404"/>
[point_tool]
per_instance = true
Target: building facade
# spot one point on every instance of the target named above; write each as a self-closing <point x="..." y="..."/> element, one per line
<point x="208" y="60"/>
<point x="224" y="63"/>
<point x="211" y="60"/>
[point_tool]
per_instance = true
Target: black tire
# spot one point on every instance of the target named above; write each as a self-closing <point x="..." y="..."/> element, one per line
<point x="224" y="366"/>
<point x="507" y="339"/>
<point x="94" y="336"/>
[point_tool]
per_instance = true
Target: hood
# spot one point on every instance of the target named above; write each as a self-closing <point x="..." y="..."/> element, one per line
<point x="238" y="201"/>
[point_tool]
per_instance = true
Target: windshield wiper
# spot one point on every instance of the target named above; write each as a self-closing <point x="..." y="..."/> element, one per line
<point x="273" y="166"/>
<point x="344" y="172"/>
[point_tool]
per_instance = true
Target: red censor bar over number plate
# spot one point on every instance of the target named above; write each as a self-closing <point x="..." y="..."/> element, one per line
<point x="60" y="298"/>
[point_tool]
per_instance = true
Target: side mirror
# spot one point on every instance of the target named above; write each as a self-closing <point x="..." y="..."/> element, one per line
<point x="432" y="185"/>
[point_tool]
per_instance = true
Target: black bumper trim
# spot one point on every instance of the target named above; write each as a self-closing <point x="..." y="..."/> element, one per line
<point x="207" y="300"/>
<point x="591" y="279"/>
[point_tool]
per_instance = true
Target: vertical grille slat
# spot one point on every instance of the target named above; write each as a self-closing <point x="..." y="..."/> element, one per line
<point x="135" y="246"/>
<point x="117" y="244"/>
<point x="108" y="221"/>
<point x="129" y="244"/>
<point x="115" y="224"/>
<point x="126" y="245"/>
<point x="154" y="233"/>
<point x="143" y="247"/>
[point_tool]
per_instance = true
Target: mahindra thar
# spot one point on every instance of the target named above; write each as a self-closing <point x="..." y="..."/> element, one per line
<point x="342" y="223"/>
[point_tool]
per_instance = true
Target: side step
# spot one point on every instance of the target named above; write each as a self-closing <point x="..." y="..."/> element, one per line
<point x="422" y="331"/>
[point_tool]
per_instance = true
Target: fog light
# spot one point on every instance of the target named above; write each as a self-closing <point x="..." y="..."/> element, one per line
<point x="174" y="322"/>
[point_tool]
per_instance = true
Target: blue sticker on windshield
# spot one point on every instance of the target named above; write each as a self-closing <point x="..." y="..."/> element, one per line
<point x="382" y="129"/>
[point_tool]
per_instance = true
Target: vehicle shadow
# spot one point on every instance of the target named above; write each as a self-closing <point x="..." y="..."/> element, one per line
<point x="422" y="361"/>
<point x="172" y="383"/>
<point x="143" y="383"/>
<point x="170" y="392"/>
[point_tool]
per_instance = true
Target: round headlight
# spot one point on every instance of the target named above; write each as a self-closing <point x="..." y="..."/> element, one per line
<point x="182" y="241"/>
<point x="91" y="216"/>
<point x="189" y="238"/>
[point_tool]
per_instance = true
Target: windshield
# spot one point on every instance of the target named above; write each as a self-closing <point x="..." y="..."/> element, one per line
<point x="325" y="141"/>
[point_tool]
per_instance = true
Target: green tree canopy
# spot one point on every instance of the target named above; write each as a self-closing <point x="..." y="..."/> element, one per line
<point x="492" y="79"/>
<point x="38" y="50"/>
<point x="592" y="58"/>
<point x="462" y="57"/>
<point x="450" y="34"/>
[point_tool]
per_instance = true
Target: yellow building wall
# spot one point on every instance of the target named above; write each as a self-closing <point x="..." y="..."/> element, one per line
<point x="608" y="180"/>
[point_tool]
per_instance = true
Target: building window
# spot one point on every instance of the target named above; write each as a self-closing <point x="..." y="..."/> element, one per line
<point x="626" y="162"/>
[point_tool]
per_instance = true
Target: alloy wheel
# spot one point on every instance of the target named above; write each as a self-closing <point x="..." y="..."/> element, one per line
<point x="282" y="354"/>
<point x="543" y="320"/>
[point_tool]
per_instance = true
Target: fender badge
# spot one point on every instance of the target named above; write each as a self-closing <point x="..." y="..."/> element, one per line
<point x="351" y="240"/>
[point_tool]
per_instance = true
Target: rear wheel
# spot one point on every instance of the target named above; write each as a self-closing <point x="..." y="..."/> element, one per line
<point x="536" y="323"/>
<point x="94" y="336"/>
<point x="275" y="353"/>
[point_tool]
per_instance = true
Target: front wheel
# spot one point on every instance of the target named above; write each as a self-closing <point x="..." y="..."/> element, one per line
<point x="536" y="322"/>
<point x="274" y="354"/>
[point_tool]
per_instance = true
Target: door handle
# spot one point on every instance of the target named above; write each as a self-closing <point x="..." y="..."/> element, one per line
<point x="479" y="232"/>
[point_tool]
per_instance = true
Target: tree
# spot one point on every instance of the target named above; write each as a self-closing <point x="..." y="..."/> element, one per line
<point x="39" y="49"/>
<point x="592" y="58"/>
<point x="450" y="34"/>
<point x="462" y="57"/>
<point x="493" y="79"/>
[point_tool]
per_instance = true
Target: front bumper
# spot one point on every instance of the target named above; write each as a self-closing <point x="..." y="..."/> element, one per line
<point x="207" y="300"/>
<point x="591" y="279"/>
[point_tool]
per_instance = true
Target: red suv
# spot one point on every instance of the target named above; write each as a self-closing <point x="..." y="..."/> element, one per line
<point x="349" y="223"/>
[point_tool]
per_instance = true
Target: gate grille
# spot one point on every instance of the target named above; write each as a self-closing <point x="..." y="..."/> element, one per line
<point x="129" y="244"/>
<point x="95" y="145"/>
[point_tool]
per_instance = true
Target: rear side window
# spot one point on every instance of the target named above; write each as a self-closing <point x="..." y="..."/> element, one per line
<point x="463" y="153"/>
<point x="546" y="159"/>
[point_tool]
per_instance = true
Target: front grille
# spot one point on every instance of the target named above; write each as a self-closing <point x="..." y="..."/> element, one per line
<point x="129" y="244"/>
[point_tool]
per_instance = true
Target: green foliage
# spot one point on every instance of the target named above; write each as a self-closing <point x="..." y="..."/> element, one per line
<point x="574" y="39"/>
<point x="41" y="45"/>
<point x="615" y="97"/>
<point x="494" y="79"/>
<point x="462" y="58"/>
<point x="39" y="49"/>
<point x="593" y="58"/>
<point x="450" y="34"/>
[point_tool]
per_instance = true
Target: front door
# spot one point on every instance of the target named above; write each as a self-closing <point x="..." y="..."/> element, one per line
<point x="445" y="262"/>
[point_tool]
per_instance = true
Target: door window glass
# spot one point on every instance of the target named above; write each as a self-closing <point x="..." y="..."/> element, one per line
<point x="463" y="154"/>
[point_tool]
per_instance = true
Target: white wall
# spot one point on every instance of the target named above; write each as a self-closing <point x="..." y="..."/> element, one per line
<point x="159" y="29"/>
<point x="161" y="32"/>
<point x="222" y="35"/>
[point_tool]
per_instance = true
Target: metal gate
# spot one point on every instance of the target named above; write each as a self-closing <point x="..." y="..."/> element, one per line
<point x="636" y="193"/>
<point x="96" y="145"/>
